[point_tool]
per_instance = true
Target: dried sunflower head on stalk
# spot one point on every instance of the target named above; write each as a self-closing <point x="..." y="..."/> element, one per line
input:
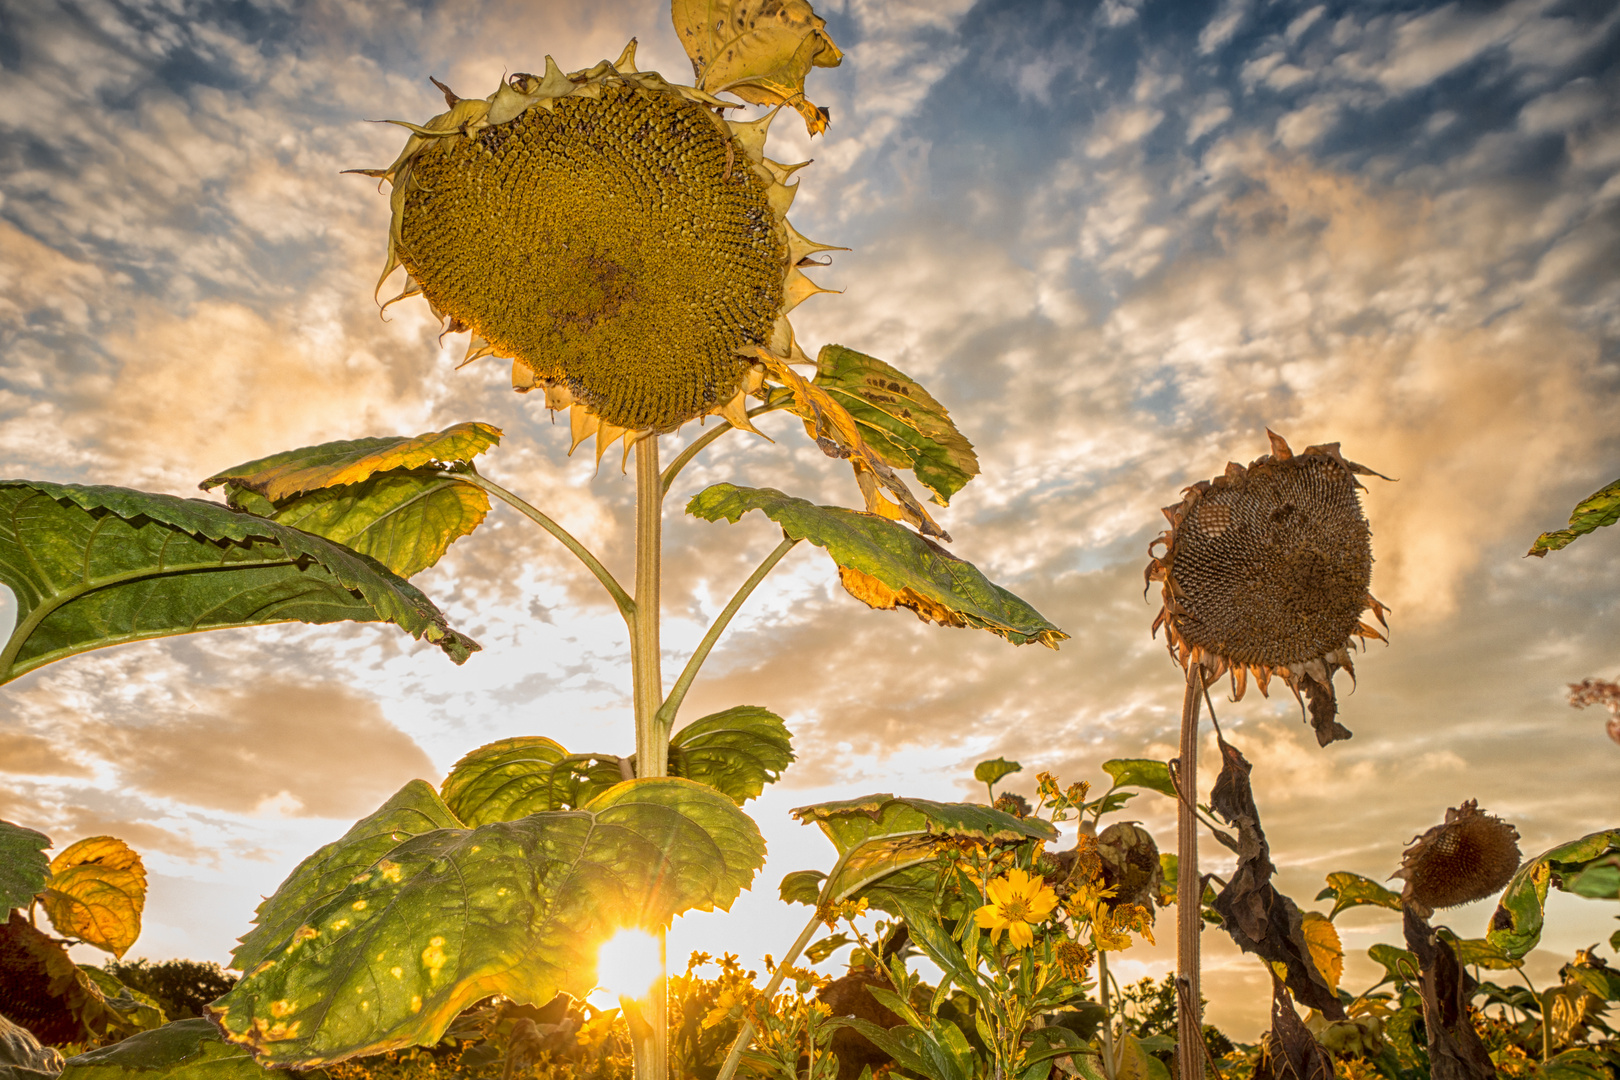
<point x="1470" y="856"/>
<point x="1266" y="570"/>
<point x="613" y="235"/>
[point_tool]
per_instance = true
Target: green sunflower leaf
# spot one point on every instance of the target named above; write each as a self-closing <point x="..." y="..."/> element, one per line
<point x="737" y="751"/>
<point x="1141" y="772"/>
<point x="382" y="497"/>
<point x="508" y="779"/>
<point x="1516" y="925"/>
<point x="1400" y="965"/>
<point x="24" y="867"/>
<point x="901" y="421"/>
<point x="413" y="810"/>
<point x="517" y="908"/>
<point x="880" y="836"/>
<point x="99" y="566"/>
<point x="184" y="1050"/>
<point x="886" y="565"/>
<point x="995" y="770"/>
<point x="1593" y="512"/>
<point x="1348" y="890"/>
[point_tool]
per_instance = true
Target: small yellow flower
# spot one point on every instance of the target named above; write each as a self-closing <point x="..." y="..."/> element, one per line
<point x="721" y="1012"/>
<point x="1017" y="901"/>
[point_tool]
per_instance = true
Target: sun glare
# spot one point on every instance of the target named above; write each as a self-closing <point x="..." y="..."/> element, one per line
<point x="628" y="964"/>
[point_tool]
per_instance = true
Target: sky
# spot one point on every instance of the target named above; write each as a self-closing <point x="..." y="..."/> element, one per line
<point x="1117" y="240"/>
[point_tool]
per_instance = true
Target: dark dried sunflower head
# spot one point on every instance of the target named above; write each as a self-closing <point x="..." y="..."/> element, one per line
<point x="626" y="247"/>
<point x="1266" y="569"/>
<point x="1130" y="864"/>
<point x="1469" y="857"/>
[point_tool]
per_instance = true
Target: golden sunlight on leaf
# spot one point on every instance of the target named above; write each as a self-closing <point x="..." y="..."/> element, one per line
<point x="97" y="892"/>
<point x="759" y="50"/>
<point x="1323" y="942"/>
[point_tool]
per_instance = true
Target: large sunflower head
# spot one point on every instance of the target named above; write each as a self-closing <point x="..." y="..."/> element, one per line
<point x="1266" y="570"/>
<point x="613" y="235"/>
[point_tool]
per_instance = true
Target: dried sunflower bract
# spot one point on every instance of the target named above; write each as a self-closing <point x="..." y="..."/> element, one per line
<point x="1266" y="570"/>
<point x="613" y="235"/>
<point x="1469" y="857"/>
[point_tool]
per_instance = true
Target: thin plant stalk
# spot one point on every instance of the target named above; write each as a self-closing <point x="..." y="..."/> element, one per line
<point x="652" y="737"/>
<point x="1108" y="1018"/>
<point x="1189" y="886"/>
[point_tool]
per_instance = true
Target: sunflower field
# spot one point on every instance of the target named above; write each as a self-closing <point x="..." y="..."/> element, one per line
<point x="626" y="248"/>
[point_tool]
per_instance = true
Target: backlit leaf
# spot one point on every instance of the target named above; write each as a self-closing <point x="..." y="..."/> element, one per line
<point x="1400" y="965"/>
<point x="760" y="50"/>
<point x="1349" y="890"/>
<point x="1598" y="509"/>
<point x="994" y="770"/>
<point x="137" y="1011"/>
<point x="413" y="810"/>
<point x="901" y="421"/>
<point x="508" y="779"/>
<point x="885" y="836"/>
<point x="1481" y="953"/>
<point x="1322" y="940"/>
<point x="24" y="867"/>
<point x="517" y="908"/>
<point x="1141" y="772"/>
<point x="801" y="887"/>
<point x="888" y="566"/>
<point x="99" y="566"/>
<point x="738" y="751"/>
<point x="1516" y="925"/>
<point x="184" y="1050"/>
<point x="97" y="892"/>
<point x="334" y="464"/>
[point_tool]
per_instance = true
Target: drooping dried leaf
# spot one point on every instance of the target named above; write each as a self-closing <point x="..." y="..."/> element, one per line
<point x="517" y="908"/>
<point x="888" y="566"/>
<point x="1290" y="1051"/>
<point x="837" y="433"/>
<point x="1260" y="919"/>
<point x="44" y="991"/>
<point x="760" y="50"/>
<point x="334" y="464"/>
<point x="1517" y="922"/>
<point x="1598" y="509"/>
<point x="99" y="566"/>
<point x="97" y="893"/>
<point x="1348" y="890"/>
<point x="901" y="421"/>
<point x="1455" y="1050"/>
<point x="24" y="867"/>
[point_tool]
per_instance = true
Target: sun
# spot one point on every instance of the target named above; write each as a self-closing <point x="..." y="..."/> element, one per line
<point x="629" y="964"/>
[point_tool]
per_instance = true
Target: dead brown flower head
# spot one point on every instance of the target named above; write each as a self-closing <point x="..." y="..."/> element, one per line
<point x="1266" y="570"/>
<point x="1470" y="857"/>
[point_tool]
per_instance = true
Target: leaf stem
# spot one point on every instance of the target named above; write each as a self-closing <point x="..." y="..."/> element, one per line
<point x="809" y="931"/>
<point x="672" y="704"/>
<point x="777" y="401"/>
<point x="627" y="606"/>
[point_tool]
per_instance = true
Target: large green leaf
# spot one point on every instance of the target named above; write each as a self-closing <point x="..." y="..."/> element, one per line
<point x="1598" y="509"/>
<point x="334" y="464"/>
<point x="517" y="908"/>
<point x="184" y="1050"/>
<point x="23" y="1057"/>
<point x="508" y="779"/>
<point x="901" y="421"/>
<point x="98" y="566"/>
<point x="1517" y="922"/>
<point x="880" y="836"/>
<point x="1349" y="890"/>
<point x="886" y="565"/>
<point x="383" y="497"/>
<point x="24" y="869"/>
<point x="413" y="810"/>
<point x="738" y="751"/>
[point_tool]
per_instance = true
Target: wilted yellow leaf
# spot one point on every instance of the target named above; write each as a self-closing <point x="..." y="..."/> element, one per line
<point x="759" y="50"/>
<point x="1326" y="952"/>
<point x="97" y="893"/>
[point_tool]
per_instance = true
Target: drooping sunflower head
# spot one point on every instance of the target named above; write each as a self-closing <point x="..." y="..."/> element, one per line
<point x="1266" y="570"/>
<point x="613" y="235"/>
<point x="1470" y="856"/>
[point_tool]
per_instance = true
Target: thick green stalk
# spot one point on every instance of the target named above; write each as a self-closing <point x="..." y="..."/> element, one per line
<point x="1189" y="886"/>
<point x="652" y="737"/>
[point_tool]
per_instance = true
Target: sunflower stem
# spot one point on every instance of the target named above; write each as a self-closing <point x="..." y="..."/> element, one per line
<point x="677" y="693"/>
<point x="652" y="738"/>
<point x="1189" y="885"/>
<point x="626" y="606"/>
<point x="1108" y="1019"/>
